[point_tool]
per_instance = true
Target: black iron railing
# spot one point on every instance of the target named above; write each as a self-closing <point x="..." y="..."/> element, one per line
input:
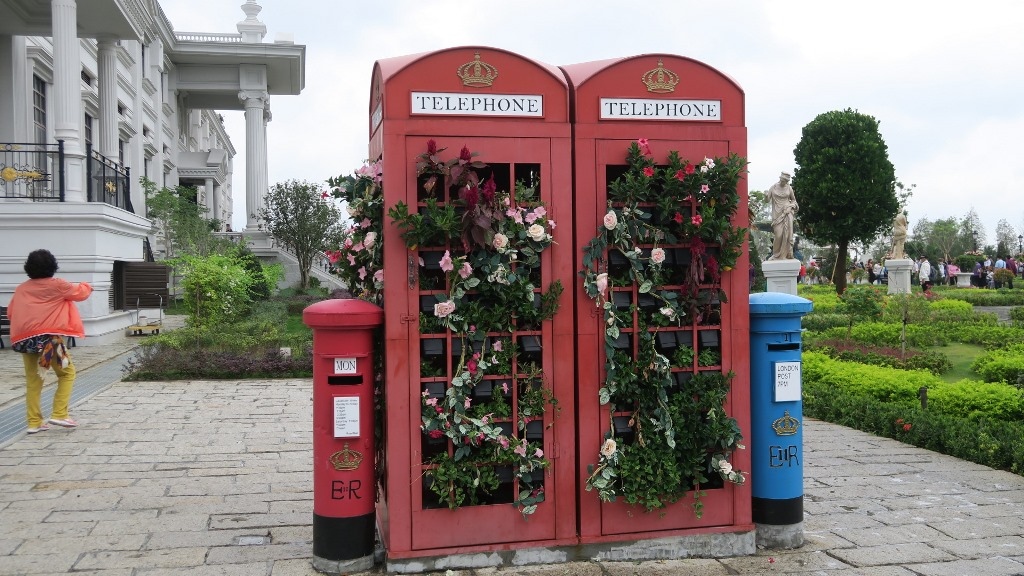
<point x="107" y="181"/>
<point x="27" y="171"/>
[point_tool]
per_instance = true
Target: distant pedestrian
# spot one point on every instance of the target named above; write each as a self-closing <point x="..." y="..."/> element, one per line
<point x="42" y="312"/>
<point x="924" y="274"/>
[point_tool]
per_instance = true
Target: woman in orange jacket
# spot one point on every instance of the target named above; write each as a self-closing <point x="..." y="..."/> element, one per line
<point x="42" y="312"/>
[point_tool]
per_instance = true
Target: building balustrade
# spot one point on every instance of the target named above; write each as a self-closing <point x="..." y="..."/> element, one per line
<point x="35" y="172"/>
<point x="207" y="37"/>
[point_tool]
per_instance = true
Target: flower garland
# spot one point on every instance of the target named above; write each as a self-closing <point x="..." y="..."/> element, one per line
<point x="680" y="436"/>
<point x="490" y="292"/>
<point x="359" y="260"/>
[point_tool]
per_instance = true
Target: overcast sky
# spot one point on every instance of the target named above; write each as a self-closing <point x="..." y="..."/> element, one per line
<point x="945" y="79"/>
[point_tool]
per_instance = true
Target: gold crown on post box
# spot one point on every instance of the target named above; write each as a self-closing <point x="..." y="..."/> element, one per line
<point x="659" y="80"/>
<point x="346" y="459"/>
<point x="477" y="73"/>
<point x="786" y="426"/>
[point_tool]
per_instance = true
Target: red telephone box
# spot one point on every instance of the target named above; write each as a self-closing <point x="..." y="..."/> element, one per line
<point x="476" y="153"/>
<point x="658" y="103"/>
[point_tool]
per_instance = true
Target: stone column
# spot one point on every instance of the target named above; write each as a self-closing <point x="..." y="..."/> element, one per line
<point x="107" y="77"/>
<point x="67" y="96"/>
<point x="255" y="153"/>
<point x="215" y="191"/>
<point x="210" y="201"/>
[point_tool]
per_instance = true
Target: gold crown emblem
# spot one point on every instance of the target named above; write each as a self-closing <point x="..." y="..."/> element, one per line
<point x="477" y="73"/>
<point x="346" y="459"/>
<point x="659" y="80"/>
<point x="786" y="426"/>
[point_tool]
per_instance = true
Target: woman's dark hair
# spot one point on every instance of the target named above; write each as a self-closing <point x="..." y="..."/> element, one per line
<point x="40" y="264"/>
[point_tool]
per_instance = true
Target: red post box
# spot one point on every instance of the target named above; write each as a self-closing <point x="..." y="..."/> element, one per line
<point x="343" y="433"/>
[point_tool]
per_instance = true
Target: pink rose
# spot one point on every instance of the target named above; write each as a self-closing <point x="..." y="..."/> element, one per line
<point x="446" y="262"/>
<point x="442" y="309"/>
<point x="539" y="453"/>
<point x="657" y="255"/>
<point x="466" y="271"/>
<point x="378" y="276"/>
<point x="602" y="283"/>
<point x="500" y="241"/>
<point x="370" y="238"/>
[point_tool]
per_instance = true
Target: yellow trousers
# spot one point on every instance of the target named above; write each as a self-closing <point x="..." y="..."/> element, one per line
<point x="65" y="382"/>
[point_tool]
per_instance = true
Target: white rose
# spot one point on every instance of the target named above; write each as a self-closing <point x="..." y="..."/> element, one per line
<point x="611" y="220"/>
<point x="608" y="448"/>
<point x="370" y="238"/>
<point x="536" y="232"/>
<point x="500" y="241"/>
<point x="442" y="309"/>
<point x="726" y="468"/>
<point x="657" y="255"/>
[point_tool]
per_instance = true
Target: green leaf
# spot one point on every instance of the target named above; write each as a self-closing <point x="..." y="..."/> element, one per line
<point x="645" y="287"/>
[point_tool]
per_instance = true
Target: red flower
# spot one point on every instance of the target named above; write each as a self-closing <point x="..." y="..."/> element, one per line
<point x="471" y="366"/>
<point x="465" y="155"/>
<point x="906" y="427"/>
<point x="697" y="220"/>
<point x="488" y="190"/>
<point x="680" y="175"/>
<point x="324" y="195"/>
<point x="678" y="218"/>
<point x="689" y="169"/>
<point x="899" y="420"/>
<point x="436" y="433"/>
<point x="645" y="148"/>
<point x="431" y="147"/>
<point x="470" y="195"/>
<point x="648" y="171"/>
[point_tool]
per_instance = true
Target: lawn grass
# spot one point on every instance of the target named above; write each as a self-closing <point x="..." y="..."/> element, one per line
<point x="962" y="356"/>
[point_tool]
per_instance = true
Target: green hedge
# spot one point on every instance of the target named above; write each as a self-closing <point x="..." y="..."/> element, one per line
<point x="990" y="442"/>
<point x="816" y="322"/>
<point x="985" y="297"/>
<point x="888" y="334"/>
<point x="1002" y="365"/>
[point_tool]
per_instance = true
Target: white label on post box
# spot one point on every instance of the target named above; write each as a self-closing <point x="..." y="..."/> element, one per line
<point x="346" y="416"/>
<point x="787" y="381"/>
<point x="344" y="365"/>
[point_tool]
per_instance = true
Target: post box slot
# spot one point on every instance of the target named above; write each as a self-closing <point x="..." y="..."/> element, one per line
<point x="345" y="380"/>
<point x="786" y="346"/>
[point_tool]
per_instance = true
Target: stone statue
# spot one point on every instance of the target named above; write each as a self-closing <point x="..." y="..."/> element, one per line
<point x="899" y="236"/>
<point x="784" y="209"/>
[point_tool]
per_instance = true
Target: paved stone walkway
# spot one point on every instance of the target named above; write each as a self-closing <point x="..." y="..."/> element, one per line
<point x="214" y="477"/>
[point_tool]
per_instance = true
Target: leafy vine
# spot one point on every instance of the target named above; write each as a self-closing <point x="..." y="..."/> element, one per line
<point x="493" y="243"/>
<point x="668" y="233"/>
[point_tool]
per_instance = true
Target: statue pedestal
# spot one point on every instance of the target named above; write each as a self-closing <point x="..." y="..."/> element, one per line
<point x="899" y="275"/>
<point x="781" y="275"/>
<point x="963" y="279"/>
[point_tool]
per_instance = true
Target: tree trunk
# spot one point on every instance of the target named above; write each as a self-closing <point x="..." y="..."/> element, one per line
<point x="839" y="272"/>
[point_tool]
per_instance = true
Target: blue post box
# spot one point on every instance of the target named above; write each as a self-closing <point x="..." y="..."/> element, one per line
<point x="776" y="414"/>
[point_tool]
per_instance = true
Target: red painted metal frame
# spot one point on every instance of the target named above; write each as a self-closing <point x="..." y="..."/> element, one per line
<point x="407" y="529"/>
<point x="598" y="143"/>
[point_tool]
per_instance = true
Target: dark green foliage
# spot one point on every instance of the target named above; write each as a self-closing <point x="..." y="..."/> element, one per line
<point x="844" y="182"/>
<point x="987" y="441"/>
<point x="930" y="360"/>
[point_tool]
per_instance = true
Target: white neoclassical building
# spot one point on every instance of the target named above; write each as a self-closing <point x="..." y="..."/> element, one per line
<point x="96" y="94"/>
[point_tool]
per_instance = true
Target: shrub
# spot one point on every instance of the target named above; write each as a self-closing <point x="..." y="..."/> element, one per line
<point x="1002" y="365"/>
<point x="990" y="336"/>
<point x="1017" y="316"/>
<point x="973" y="399"/>
<point x="899" y="386"/>
<point x="946" y="310"/>
<point x="990" y="442"/>
<point x="930" y="360"/>
<point x="1013" y="297"/>
<point x="216" y="288"/>
<point x="889" y="334"/>
<point x="816" y="322"/>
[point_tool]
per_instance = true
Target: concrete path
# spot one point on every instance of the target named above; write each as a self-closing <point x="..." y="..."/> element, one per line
<point x="215" y="477"/>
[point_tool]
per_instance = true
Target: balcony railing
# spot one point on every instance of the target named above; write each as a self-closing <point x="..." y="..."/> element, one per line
<point x="35" y="172"/>
<point x="107" y="181"/>
<point x="32" y="171"/>
<point x="207" y="37"/>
